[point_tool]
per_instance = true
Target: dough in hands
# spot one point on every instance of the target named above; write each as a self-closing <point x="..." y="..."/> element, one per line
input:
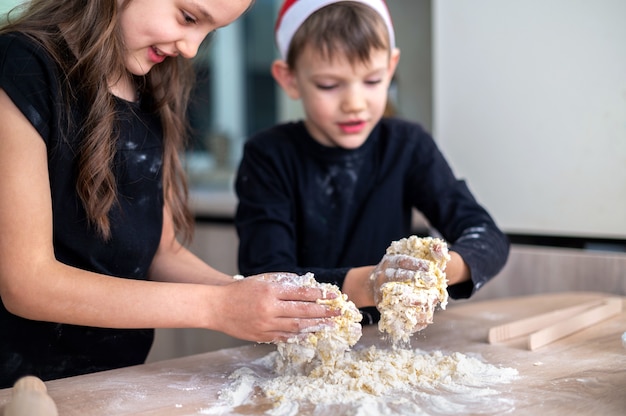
<point x="408" y="306"/>
<point x="325" y="344"/>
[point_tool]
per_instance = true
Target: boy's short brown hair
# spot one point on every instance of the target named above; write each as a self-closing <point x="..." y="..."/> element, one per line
<point x="346" y="27"/>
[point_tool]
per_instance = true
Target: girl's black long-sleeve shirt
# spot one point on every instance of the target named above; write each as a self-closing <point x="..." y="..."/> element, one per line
<point x="304" y="207"/>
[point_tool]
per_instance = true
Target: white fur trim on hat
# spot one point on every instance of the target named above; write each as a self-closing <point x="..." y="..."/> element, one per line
<point x="298" y="11"/>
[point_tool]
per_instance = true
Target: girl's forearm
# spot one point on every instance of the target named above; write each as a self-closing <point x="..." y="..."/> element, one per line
<point x="90" y="299"/>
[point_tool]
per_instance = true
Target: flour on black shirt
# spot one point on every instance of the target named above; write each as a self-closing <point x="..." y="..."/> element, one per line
<point x="304" y="207"/>
<point x="50" y="350"/>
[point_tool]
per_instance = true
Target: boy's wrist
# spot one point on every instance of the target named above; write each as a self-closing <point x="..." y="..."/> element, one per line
<point x="357" y="286"/>
<point x="457" y="271"/>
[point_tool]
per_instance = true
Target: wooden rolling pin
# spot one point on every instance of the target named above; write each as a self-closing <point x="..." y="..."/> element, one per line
<point x="30" y="398"/>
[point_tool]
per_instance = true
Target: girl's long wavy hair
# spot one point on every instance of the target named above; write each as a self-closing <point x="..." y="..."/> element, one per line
<point x="90" y="28"/>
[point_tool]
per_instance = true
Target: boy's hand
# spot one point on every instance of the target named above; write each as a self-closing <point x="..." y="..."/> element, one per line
<point x="395" y="268"/>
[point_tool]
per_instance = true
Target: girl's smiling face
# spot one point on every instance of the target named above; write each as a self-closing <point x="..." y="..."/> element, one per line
<point x="153" y="30"/>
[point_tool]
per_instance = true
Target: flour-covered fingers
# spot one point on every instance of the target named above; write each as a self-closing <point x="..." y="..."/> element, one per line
<point x="398" y="275"/>
<point x="291" y="337"/>
<point x="406" y="262"/>
<point x="305" y="310"/>
<point x="283" y="277"/>
<point x="297" y="329"/>
<point x="319" y="325"/>
<point x="395" y="268"/>
<point x="291" y="292"/>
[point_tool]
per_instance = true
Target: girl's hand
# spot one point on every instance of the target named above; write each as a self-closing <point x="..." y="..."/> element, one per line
<point x="271" y="307"/>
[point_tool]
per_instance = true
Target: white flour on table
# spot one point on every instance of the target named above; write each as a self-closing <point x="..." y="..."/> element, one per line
<point x="319" y="373"/>
<point x="374" y="381"/>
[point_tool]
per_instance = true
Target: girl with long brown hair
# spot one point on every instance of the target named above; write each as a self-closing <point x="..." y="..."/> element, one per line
<point x="93" y="197"/>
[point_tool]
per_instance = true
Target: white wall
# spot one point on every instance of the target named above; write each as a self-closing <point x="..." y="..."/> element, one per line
<point x="530" y="107"/>
<point x="412" y="24"/>
<point x="6" y="5"/>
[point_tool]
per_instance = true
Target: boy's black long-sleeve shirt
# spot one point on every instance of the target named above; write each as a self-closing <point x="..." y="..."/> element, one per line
<point x="304" y="207"/>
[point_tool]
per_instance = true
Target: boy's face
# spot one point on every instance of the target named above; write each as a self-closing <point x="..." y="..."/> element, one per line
<point x="342" y="101"/>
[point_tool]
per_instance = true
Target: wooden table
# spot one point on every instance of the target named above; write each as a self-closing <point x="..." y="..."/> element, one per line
<point x="583" y="374"/>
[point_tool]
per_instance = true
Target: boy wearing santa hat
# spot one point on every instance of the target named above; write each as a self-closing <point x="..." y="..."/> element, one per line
<point x="328" y="194"/>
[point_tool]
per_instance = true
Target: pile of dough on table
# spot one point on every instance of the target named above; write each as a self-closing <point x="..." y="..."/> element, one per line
<point x="320" y="372"/>
<point x="327" y="344"/>
<point x="408" y="306"/>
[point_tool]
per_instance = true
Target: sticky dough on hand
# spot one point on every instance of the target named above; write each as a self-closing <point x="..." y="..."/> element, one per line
<point x="407" y="306"/>
<point x="326" y="344"/>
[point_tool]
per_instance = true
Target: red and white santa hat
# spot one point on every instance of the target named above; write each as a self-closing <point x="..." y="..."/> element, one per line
<point x="294" y="12"/>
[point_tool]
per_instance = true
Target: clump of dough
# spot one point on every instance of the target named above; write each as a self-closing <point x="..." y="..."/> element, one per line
<point x="407" y="307"/>
<point x="327" y="344"/>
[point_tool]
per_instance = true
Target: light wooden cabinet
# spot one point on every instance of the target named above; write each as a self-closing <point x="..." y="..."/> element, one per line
<point x="217" y="245"/>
